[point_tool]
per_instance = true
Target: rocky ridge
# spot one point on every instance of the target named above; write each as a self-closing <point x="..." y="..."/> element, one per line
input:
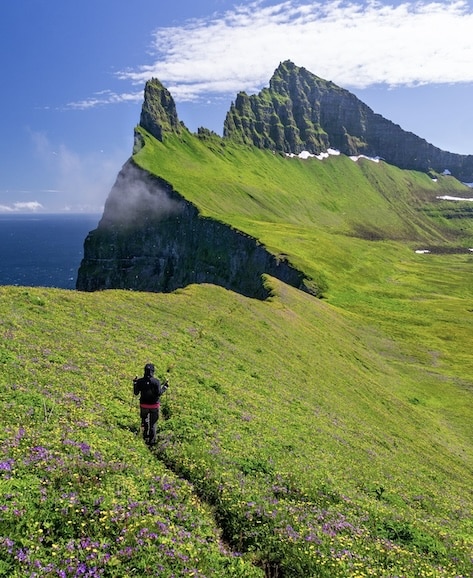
<point x="300" y="111"/>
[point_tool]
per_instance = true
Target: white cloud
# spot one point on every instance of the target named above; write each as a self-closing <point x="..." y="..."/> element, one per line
<point x="351" y="43"/>
<point x="106" y="97"/>
<point x="5" y="209"/>
<point x="27" y="206"/>
<point x="21" y="207"/>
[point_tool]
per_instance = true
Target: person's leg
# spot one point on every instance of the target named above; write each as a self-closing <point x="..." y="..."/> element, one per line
<point x="145" y="421"/>
<point x="153" y="419"/>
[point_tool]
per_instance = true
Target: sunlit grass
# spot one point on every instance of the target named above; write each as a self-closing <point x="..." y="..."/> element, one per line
<point x="289" y="432"/>
<point x="300" y="436"/>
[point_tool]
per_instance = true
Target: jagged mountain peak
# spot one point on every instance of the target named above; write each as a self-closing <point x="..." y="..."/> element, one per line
<point x="158" y="113"/>
<point x="292" y="114"/>
<point x="287" y="71"/>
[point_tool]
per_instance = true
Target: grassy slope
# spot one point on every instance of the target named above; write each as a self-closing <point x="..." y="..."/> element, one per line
<point x="354" y="224"/>
<point x="324" y="437"/>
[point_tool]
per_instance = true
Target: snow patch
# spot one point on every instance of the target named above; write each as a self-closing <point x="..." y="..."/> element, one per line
<point x="307" y="155"/>
<point x="449" y="198"/>
<point x="358" y="157"/>
<point x="329" y="152"/>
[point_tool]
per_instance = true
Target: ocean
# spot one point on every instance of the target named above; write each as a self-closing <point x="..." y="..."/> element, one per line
<point x="43" y="250"/>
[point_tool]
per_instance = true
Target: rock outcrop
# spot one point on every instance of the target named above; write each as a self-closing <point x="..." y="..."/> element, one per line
<point x="158" y="113"/>
<point x="151" y="239"/>
<point x="300" y="111"/>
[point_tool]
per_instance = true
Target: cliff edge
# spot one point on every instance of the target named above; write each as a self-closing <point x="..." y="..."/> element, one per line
<point x="151" y="239"/>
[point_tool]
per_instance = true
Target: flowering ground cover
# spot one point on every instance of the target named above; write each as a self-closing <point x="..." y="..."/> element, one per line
<point x="80" y="495"/>
<point x="295" y="441"/>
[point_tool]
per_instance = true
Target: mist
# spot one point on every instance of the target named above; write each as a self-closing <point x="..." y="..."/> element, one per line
<point x="136" y="197"/>
<point x="79" y="182"/>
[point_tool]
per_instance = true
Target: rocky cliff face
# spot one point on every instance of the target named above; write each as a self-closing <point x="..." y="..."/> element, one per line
<point x="300" y="111"/>
<point x="151" y="239"/>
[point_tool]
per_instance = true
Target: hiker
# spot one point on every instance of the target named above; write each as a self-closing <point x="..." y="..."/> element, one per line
<point x="150" y="390"/>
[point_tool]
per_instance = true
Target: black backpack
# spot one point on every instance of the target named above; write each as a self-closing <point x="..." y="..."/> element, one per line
<point x="149" y="391"/>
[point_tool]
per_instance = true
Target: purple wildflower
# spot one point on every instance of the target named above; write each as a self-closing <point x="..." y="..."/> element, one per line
<point x="7" y="465"/>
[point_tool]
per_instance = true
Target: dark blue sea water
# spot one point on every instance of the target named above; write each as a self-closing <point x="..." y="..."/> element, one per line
<point x="43" y="250"/>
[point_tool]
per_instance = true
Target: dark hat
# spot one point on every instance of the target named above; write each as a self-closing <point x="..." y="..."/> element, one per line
<point x="149" y="369"/>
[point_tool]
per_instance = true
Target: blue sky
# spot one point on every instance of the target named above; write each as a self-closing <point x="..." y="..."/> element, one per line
<point x="74" y="71"/>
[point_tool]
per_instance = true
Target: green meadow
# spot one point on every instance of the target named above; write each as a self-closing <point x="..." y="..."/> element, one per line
<point x="300" y="436"/>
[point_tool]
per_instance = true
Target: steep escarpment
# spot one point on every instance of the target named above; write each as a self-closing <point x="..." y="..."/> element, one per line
<point x="151" y="239"/>
<point x="300" y="111"/>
